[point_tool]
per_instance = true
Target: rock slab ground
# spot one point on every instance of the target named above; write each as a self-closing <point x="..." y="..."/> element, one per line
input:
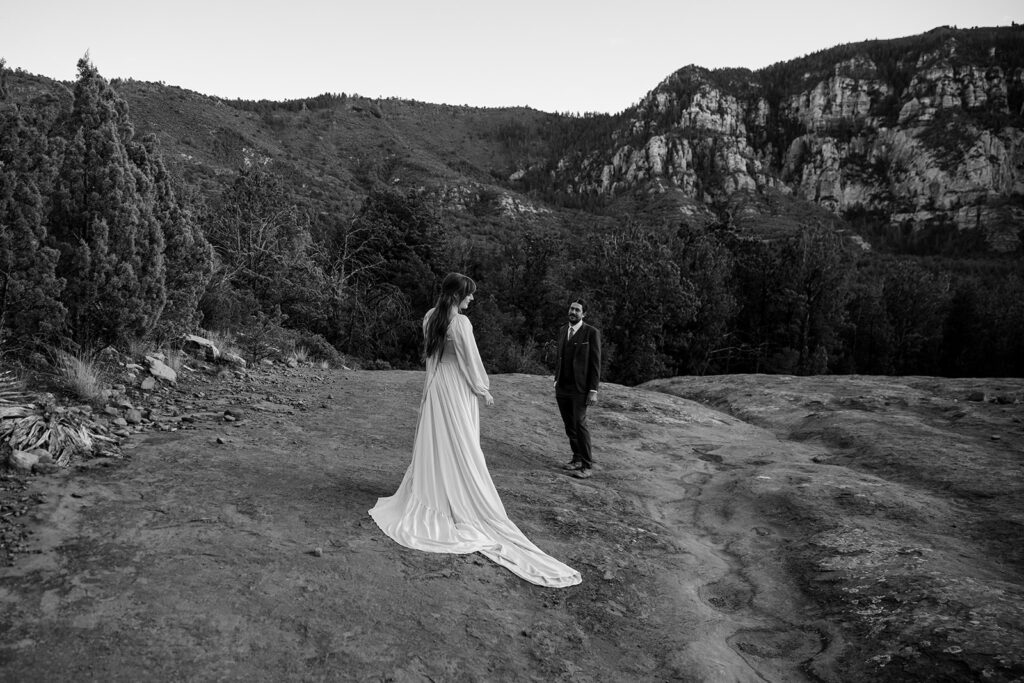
<point x="739" y="528"/>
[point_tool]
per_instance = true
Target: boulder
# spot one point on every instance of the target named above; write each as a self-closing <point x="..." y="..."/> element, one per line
<point x="161" y="371"/>
<point x="207" y="347"/>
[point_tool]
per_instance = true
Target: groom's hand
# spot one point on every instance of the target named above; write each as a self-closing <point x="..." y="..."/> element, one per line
<point x="591" y="398"/>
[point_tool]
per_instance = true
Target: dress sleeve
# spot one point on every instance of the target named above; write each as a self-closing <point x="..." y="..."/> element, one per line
<point x="469" y="357"/>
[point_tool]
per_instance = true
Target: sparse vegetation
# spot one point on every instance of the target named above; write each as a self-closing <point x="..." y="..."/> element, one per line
<point x="80" y="373"/>
<point x="173" y="358"/>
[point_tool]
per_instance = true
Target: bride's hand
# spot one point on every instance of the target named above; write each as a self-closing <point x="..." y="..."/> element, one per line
<point x="488" y="400"/>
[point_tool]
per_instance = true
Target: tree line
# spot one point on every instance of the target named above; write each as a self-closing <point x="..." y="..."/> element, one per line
<point x="100" y="246"/>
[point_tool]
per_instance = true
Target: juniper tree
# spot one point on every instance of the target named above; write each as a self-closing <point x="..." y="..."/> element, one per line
<point x="103" y="223"/>
<point x="188" y="257"/>
<point x="30" y="308"/>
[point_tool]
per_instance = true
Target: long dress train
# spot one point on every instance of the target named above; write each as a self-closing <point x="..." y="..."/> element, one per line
<point x="447" y="502"/>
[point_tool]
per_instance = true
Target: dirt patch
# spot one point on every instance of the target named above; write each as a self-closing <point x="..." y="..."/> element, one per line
<point x="743" y="545"/>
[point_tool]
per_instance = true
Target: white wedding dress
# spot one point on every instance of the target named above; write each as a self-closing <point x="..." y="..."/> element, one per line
<point x="447" y="502"/>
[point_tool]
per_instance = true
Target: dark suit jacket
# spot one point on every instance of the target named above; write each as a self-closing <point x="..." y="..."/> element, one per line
<point x="585" y="347"/>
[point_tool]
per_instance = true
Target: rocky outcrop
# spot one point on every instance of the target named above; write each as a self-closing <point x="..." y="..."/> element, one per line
<point x="941" y="143"/>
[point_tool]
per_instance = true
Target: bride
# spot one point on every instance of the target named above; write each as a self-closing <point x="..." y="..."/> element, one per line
<point x="447" y="502"/>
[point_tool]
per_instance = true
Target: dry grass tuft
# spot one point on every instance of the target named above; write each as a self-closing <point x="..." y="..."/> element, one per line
<point x="80" y="373"/>
<point x="173" y="358"/>
<point x="300" y="354"/>
<point x="224" y="341"/>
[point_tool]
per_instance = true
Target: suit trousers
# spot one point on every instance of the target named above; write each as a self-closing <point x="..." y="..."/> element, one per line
<point x="573" y="407"/>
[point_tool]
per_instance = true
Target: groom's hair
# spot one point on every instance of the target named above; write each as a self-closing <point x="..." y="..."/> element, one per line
<point x="579" y="301"/>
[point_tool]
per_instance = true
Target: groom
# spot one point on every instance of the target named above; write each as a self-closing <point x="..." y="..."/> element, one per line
<point x="577" y="374"/>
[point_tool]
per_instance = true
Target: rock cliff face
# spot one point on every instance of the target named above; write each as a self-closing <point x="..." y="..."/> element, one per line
<point x="916" y="140"/>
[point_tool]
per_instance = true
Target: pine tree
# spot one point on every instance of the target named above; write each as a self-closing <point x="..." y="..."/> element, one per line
<point x="30" y="308"/>
<point x="103" y="223"/>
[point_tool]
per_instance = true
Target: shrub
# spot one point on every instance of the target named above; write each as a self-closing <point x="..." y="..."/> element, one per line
<point x="264" y="337"/>
<point x="318" y="347"/>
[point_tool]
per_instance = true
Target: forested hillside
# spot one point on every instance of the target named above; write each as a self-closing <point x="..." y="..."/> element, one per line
<point x="133" y="211"/>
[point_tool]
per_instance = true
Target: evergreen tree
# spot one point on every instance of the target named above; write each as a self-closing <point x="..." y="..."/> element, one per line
<point x="188" y="256"/>
<point x="759" y="279"/>
<point x="102" y="222"/>
<point x="705" y="267"/>
<point x="915" y="301"/>
<point x="868" y="345"/>
<point x="638" y="295"/>
<point x="402" y="234"/>
<point x="819" y="267"/>
<point x="30" y="308"/>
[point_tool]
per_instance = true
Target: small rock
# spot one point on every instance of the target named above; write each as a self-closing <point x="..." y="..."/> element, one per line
<point x="292" y="363"/>
<point x="22" y="460"/>
<point x="977" y="396"/>
<point x="221" y="440"/>
<point x="111" y="410"/>
<point x="318" y="551"/>
<point x="229" y="418"/>
<point x="45" y="468"/>
<point x="133" y="416"/>
<point x="235" y="359"/>
<point x="148" y="384"/>
<point x="119" y="421"/>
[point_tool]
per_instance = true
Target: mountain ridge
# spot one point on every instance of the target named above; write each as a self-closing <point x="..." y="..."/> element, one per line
<point x="893" y="137"/>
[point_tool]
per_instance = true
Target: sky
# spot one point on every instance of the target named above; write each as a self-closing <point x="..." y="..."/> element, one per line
<point x="552" y="55"/>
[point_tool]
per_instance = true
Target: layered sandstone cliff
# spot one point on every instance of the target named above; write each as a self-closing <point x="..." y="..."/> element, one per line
<point x="944" y="147"/>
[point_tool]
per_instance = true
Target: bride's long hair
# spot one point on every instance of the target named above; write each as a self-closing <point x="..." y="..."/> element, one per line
<point x="454" y="289"/>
